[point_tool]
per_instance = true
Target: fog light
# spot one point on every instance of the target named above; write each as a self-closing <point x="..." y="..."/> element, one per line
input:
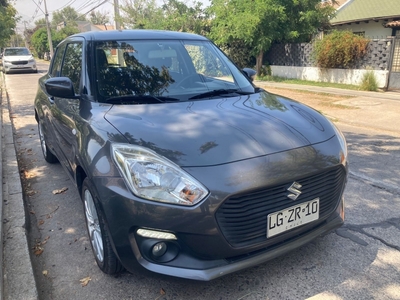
<point x="156" y="234"/>
<point x="159" y="249"/>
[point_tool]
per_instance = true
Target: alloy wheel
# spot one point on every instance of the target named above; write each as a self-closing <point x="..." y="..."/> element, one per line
<point x="94" y="229"/>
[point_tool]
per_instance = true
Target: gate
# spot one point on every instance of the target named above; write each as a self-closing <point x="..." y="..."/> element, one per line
<point x="394" y="77"/>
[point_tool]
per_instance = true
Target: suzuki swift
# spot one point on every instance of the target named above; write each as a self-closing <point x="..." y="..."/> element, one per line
<point x="185" y="167"/>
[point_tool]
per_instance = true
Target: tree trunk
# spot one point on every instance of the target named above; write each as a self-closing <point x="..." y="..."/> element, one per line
<point x="259" y="62"/>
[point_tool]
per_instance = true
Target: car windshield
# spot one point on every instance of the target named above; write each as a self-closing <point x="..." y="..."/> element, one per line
<point x="16" y="51"/>
<point x="180" y="70"/>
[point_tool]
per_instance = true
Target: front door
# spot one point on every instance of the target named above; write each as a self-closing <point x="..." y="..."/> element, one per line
<point x="394" y="79"/>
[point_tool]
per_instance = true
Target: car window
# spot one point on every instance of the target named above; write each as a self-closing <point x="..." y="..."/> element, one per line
<point x="72" y="65"/>
<point x="207" y="63"/>
<point x="163" y="68"/>
<point x="56" y="65"/>
<point x="16" y="51"/>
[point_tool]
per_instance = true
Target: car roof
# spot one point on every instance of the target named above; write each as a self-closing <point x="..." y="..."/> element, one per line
<point x="140" y="34"/>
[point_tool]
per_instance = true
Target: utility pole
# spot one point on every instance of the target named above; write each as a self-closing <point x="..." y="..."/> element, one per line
<point x="46" y="14"/>
<point x="26" y="36"/>
<point x="116" y="15"/>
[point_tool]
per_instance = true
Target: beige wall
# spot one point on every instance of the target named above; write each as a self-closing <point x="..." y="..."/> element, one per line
<point x="372" y="29"/>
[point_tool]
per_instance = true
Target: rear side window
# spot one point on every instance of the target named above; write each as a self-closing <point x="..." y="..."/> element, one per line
<point x="72" y="66"/>
<point x="56" y="66"/>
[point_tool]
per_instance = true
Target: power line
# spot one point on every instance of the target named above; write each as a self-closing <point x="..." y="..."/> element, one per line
<point x="94" y="8"/>
<point x="68" y="4"/>
<point x="37" y="9"/>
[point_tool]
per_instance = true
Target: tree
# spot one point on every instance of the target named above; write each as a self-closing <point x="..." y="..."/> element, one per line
<point x="259" y="23"/>
<point x="8" y="22"/>
<point x="180" y="17"/>
<point x="67" y="16"/>
<point x="28" y="32"/>
<point x="172" y="15"/>
<point x="39" y="41"/>
<point x="141" y="14"/>
<point x="40" y="23"/>
<point x="62" y="34"/>
<point x="99" y="18"/>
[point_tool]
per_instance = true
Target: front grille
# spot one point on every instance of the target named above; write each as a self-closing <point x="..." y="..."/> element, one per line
<point x="20" y="62"/>
<point x="243" y="218"/>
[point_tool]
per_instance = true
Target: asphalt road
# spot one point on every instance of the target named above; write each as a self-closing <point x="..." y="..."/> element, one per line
<point x="359" y="261"/>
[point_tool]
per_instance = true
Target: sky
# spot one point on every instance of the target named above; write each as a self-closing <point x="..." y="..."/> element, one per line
<point x="29" y="12"/>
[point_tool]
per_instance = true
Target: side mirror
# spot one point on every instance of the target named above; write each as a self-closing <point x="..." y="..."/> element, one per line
<point x="61" y="87"/>
<point x="250" y="73"/>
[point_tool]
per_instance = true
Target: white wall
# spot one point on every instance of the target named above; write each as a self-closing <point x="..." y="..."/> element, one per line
<point x="372" y="29"/>
<point x="346" y="76"/>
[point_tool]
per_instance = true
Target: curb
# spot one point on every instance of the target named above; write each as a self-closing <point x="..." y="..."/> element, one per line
<point x="17" y="280"/>
<point x="1" y="189"/>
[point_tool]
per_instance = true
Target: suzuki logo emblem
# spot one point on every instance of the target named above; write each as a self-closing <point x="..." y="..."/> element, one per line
<point x="294" y="190"/>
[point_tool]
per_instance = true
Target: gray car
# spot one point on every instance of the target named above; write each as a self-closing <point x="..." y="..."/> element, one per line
<point x="17" y="59"/>
<point x="185" y="167"/>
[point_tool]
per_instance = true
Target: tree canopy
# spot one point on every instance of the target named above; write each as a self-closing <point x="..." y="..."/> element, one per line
<point x="172" y="15"/>
<point x="245" y="29"/>
<point x="39" y="39"/>
<point x="67" y="16"/>
<point x="8" y="22"/>
<point x="259" y="23"/>
<point x="99" y="18"/>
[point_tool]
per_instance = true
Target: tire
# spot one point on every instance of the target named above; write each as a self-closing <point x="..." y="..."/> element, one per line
<point x="47" y="154"/>
<point x="99" y="235"/>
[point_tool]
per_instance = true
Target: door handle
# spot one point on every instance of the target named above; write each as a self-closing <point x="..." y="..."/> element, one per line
<point x="51" y="100"/>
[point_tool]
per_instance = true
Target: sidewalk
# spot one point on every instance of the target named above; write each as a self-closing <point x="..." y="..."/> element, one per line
<point x="374" y="109"/>
<point x="17" y="279"/>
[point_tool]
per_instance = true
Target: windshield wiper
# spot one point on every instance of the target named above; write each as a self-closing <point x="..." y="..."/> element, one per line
<point x="218" y="93"/>
<point x="140" y="99"/>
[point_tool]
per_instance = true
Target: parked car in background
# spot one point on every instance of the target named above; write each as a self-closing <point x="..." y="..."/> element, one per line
<point x="185" y="167"/>
<point x="18" y="59"/>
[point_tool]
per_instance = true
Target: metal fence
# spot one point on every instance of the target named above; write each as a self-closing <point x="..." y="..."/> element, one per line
<point x="300" y="55"/>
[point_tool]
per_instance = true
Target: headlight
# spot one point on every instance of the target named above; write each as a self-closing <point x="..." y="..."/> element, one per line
<point x="6" y="61"/>
<point x="156" y="178"/>
<point x="32" y="60"/>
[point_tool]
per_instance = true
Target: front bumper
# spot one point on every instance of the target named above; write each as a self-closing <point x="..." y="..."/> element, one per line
<point x="203" y="250"/>
<point x="19" y="67"/>
<point x="222" y="267"/>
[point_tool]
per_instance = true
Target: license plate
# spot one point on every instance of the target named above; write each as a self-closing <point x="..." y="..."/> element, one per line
<point x="292" y="217"/>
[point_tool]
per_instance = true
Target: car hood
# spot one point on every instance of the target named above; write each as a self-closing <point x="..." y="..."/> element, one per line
<point x="218" y="131"/>
<point x="17" y="57"/>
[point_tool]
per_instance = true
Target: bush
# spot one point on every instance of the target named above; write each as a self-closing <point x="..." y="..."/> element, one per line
<point x="265" y="71"/>
<point x="339" y="49"/>
<point x="369" y="82"/>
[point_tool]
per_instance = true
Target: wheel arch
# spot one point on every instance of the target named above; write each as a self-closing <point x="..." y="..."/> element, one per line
<point x="80" y="176"/>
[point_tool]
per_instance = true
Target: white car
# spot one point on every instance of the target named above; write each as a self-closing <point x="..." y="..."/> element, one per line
<point x="18" y="59"/>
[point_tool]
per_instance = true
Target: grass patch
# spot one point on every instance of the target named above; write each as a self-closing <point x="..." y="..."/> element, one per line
<point x="306" y="82"/>
<point x="369" y="82"/>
